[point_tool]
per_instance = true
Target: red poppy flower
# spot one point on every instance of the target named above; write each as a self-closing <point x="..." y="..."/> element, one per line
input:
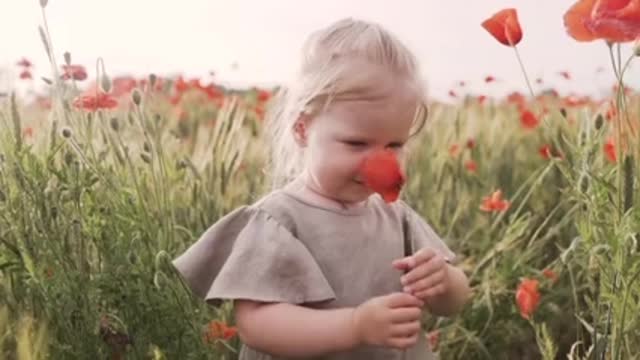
<point x="565" y="74"/>
<point x="610" y="20"/>
<point x="454" y="149"/>
<point x="612" y="111"/>
<point x="25" y="75"/>
<point x="27" y="132"/>
<point x="481" y="99"/>
<point x="95" y="101"/>
<point x="550" y="274"/>
<point x="494" y="202"/>
<point x="24" y="62"/>
<point x="264" y="95"/>
<point x="75" y="72"/>
<point x="219" y="330"/>
<point x="545" y="152"/>
<point x="471" y="143"/>
<point x="471" y="166"/>
<point x="489" y="79"/>
<point x="610" y="150"/>
<point x="528" y="119"/>
<point x="505" y="27"/>
<point x="527" y="297"/>
<point x="382" y="174"/>
<point x="433" y="339"/>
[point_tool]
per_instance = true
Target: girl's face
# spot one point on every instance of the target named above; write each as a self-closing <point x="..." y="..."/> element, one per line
<point x="337" y="140"/>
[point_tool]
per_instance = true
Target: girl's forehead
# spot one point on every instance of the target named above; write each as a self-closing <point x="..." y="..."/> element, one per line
<point x="394" y="97"/>
<point x="389" y="115"/>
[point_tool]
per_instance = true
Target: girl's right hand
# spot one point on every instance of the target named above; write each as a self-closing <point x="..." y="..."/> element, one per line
<point x="391" y="320"/>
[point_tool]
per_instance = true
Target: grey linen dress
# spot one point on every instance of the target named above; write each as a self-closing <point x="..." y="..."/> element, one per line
<point x="285" y="249"/>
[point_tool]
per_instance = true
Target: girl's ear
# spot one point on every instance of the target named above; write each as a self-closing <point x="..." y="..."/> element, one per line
<point x="301" y="130"/>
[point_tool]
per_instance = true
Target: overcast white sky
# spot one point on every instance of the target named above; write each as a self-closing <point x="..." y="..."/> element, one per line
<point x="263" y="38"/>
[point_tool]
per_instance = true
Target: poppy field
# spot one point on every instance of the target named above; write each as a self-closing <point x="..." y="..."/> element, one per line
<point x="105" y="179"/>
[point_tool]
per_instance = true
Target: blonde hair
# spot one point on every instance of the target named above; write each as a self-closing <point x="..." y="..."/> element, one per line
<point x="326" y="74"/>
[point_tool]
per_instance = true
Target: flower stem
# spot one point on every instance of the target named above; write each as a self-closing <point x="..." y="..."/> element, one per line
<point x="526" y="78"/>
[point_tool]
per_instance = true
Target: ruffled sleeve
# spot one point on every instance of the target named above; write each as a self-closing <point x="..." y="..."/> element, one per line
<point x="422" y="235"/>
<point x="249" y="255"/>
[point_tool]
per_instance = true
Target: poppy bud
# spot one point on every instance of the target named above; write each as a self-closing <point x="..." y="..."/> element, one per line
<point x="105" y="84"/>
<point x="67" y="58"/>
<point x="152" y="80"/>
<point x="146" y="157"/>
<point x="115" y="125"/>
<point x="136" y="97"/>
<point x="636" y="48"/>
<point x="66" y="132"/>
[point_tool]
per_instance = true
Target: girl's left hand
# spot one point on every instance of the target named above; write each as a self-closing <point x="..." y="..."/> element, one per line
<point x="426" y="274"/>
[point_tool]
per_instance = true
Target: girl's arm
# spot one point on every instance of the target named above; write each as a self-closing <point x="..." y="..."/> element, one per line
<point x="294" y="331"/>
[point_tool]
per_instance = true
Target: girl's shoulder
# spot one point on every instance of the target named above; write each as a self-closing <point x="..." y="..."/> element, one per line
<point x="251" y="253"/>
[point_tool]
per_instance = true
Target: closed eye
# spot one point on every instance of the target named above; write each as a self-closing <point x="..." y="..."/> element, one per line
<point x="396" y="145"/>
<point x="355" y="143"/>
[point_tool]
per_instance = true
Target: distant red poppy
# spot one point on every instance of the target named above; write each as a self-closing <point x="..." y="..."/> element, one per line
<point x="26" y="75"/>
<point x="454" y="149"/>
<point x="489" y="79"/>
<point x="565" y="74"/>
<point x="75" y="72"/>
<point x="528" y="119"/>
<point x="24" y="62"/>
<point x="550" y="274"/>
<point x="547" y="152"/>
<point x="471" y="143"/>
<point x="504" y="27"/>
<point x="433" y="339"/>
<point x="27" y="132"/>
<point x="610" y="150"/>
<point x="471" y="166"/>
<point x="95" y="102"/>
<point x="494" y="202"/>
<point x="219" y="330"/>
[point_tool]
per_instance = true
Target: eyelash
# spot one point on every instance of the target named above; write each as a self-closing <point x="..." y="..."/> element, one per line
<point x="356" y="143"/>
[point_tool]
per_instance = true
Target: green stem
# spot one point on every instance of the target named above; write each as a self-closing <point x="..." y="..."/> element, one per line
<point x="526" y="77"/>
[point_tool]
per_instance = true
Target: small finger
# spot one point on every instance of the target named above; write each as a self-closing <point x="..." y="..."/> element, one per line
<point x="424" y="269"/>
<point x="405" y="330"/>
<point x="403" y="342"/>
<point x="424" y="254"/>
<point x="403" y="315"/>
<point x="426" y="282"/>
<point x="430" y="292"/>
<point x="400" y="300"/>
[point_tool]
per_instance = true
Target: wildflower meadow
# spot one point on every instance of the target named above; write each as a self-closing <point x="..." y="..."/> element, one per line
<point x="105" y="179"/>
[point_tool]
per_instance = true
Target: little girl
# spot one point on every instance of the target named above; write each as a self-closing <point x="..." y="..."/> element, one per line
<point x="330" y="265"/>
